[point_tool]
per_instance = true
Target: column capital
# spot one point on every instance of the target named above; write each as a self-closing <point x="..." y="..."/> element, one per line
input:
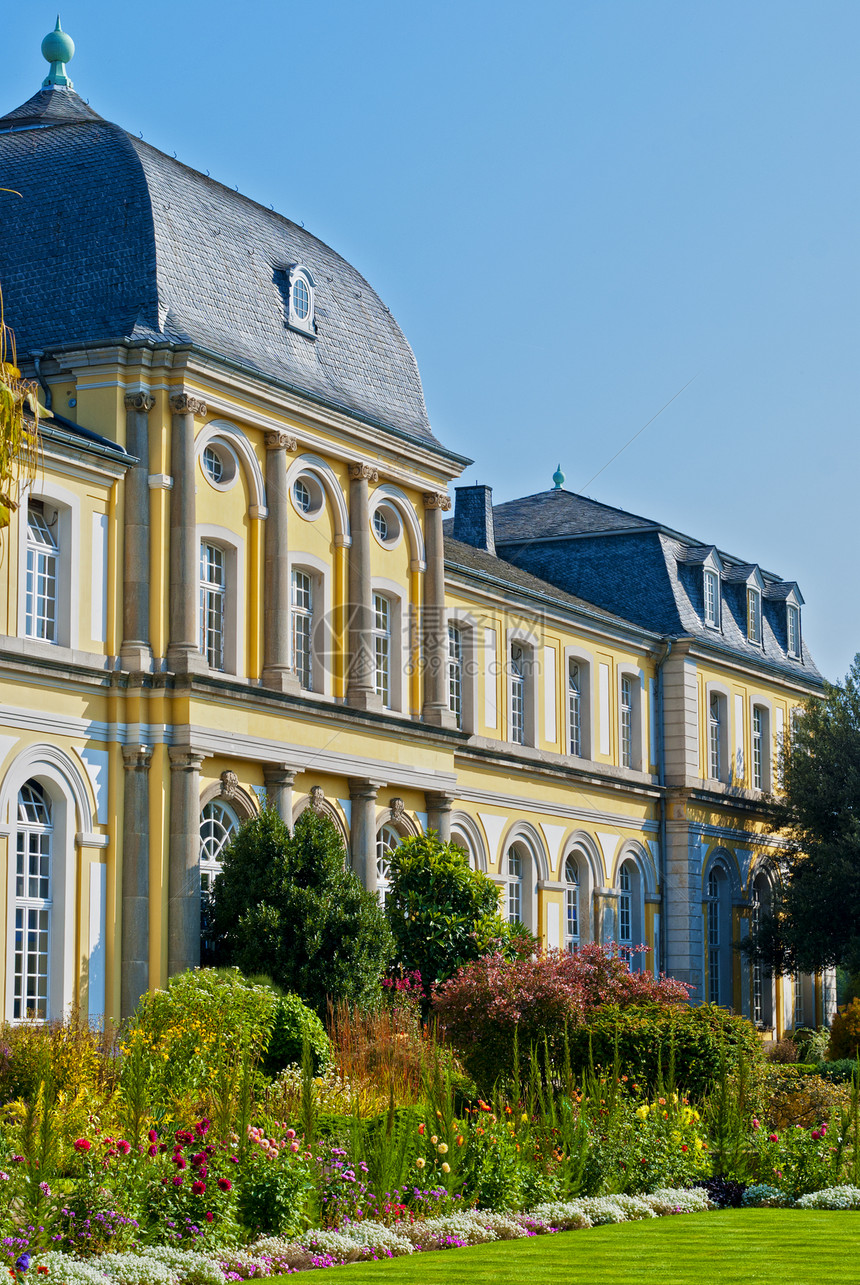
<point x="361" y="788"/>
<point x="441" y="800"/>
<point x="278" y="774"/>
<point x="359" y="470"/>
<point x="437" y="500"/>
<point x="186" y="404"/>
<point x="278" y="440"/>
<point x="139" y="401"/>
<point x="136" y="757"/>
<point x="184" y="759"/>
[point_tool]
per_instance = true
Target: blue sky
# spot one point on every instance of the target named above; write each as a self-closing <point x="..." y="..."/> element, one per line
<point x="572" y="209"/>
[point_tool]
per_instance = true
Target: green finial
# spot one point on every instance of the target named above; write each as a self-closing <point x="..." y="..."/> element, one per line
<point x="57" y="49"/>
<point x="558" y="478"/>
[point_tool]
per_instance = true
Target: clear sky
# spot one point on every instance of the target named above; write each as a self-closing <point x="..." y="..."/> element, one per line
<point x="572" y="208"/>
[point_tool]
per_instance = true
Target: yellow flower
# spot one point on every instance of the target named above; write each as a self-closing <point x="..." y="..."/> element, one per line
<point x="419" y="1163"/>
<point x="642" y="1112"/>
<point x="524" y="1118"/>
<point x="446" y="1168"/>
<point x="442" y="1148"/>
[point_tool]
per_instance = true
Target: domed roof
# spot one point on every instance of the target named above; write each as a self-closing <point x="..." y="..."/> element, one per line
<point x="112" y="240"/>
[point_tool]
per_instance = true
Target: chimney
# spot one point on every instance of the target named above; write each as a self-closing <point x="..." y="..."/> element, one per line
<point x="473" y="517"/>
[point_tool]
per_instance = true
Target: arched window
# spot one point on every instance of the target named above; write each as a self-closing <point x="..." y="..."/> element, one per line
<point x="455" y="673"/>
<point x="571" y="906"/>
<point x="515" y="886"/>
<point x="218" y="824"/>
<point x="718" y="915"/>
<point x="387" y="840"/>
<point x="43" y="553"/>
<point x="33" y="904"/>
<point x="631" y="915"/>
<point x="762" y="987"/>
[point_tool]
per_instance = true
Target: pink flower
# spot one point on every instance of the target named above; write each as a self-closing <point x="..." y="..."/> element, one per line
<point x="82" y="1144"/>
<point x="153" y="1151"/>
<point x="202" y="1171"/>
<point x="823" y="1130"/>
<point x="294" y="1146"/>
<point x="773" y="1137"/>
<point x="291" y="1133"/>
<point x="756" y="1123"/>
<point x="224" y="1184"/>
<point x="198" y="1187"/>
<point x="202" y="1128"/>
<point x="123" y="1147"/>
<point x="179" y="1160"/>
<point x="153" y="1135"/>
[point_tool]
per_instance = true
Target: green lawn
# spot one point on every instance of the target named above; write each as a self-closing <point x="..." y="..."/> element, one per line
<point x="729" y="1247"/>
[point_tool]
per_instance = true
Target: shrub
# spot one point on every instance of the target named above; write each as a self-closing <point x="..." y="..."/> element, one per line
<point x="845" y="1032"/>
<point x="812" y="1043"/>
<point x="646" y="1036"/>
<point x="793" y="1097"/>
<point x="762" y="1196"/>
<point x="782" y="1051"/>
<point x="603" y="976"/>
<point x="831" y="1198"/>
<point x="442" y="913"/>
<point x="289" y="906"/>
<point x="838" y="1072"/>
<point x="294" y="1025"/>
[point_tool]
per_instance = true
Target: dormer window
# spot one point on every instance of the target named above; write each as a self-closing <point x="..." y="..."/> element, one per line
<point x="754" y="615"/>
<point x="712" y="599"/>
<point x="793" y="631"/>
<point x="301" y="301"/>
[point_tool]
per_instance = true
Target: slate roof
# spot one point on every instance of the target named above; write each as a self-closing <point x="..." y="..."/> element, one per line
<point x="645" y="573"/>
<point x="115" y="241"/>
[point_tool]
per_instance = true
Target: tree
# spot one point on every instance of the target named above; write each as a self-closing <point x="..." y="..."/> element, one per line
<point x="289" y="906"/>
<point x="19" y="433"/>
<point x="442" y="913"/>
<point x="814" y="918"/>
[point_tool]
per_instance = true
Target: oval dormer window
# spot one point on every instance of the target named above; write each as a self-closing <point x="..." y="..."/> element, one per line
<point x="301" y="314"/>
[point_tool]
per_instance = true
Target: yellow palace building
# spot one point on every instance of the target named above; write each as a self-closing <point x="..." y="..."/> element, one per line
<point x="234" y="578"/>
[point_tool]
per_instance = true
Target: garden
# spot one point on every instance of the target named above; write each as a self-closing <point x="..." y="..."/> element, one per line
<point x="406" y="1080"/>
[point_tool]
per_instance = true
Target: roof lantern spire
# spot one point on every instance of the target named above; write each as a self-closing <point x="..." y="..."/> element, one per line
<point x="57" y="49"/>
<point x="558" y="478"/>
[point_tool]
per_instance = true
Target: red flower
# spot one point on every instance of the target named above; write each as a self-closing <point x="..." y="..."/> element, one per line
<point x="684" y="1146"/>
<point x="224" y="1184"/>
<point x="123" y="1147"/>
<point x="179" y="1160"/>
<point x="82" y="1144"/>
<point x="199" y="1159"/>
<point x="773" y="1137"/>
<point x="208" y="1215"/>
<point x="202" y="1128"/>
<point x="153" y="1151"/>
<point x="42" y="1269"/>
<point x="202" y="1172"/>
<point x="198" y="1188"/>
<point x="153" y="1135"/>
<point x="177" y="1181"/>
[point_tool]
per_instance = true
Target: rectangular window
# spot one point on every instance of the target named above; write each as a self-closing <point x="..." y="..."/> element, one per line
<point x="712" y="599"/>
<point x="713" y="913"/>
<point x="793" y="631"/>
<point x="303" y="619"/>
<point x="754" y="615"/>
<point x="455" y="673"/>
<point x="626" y="723"/>
<point x="799" y="1014"/>
<point x="574" y="709"/>
<point x="625" y="910"/>
<point x="382" y="647"/>
<point x="715" y="736"/>
<point x="571" y="927"/>
<point x="518" y="696"/>
<point x="758" y="747"/>
<point x="757" y="987"/>
<point x="40" y="610"/>
<point x="213" y="584"/>
<point x="515" y="888"/>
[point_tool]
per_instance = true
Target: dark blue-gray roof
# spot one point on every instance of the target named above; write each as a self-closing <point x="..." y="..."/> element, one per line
<point x="111" y="240"/>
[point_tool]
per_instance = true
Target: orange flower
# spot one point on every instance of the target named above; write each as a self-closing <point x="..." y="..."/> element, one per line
<point x="421" y="1129"/>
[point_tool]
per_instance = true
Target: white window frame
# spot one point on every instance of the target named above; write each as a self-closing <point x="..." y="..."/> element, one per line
<point x="398" y="641"/>
<point x="764" y="708"/>
<point x="711" y="578"/>
<point x="631" y="907"/>
<point x="634" y="677"/>
<point x="298" y="272"/>
<point x="235" y="606"/>
<point x="572" y="904"/>
<point x="755" y="621"/>
<point x="723" y="696"/>
<point x="68" y="525"/>
<point x="471" y="667"/>
<point x="212" y="607"/>
<point x="42" y="572"/>
<point x="322" y="642"/>
<point x="529" y="646"/>
<point x="795" y="648"/>
<point x="585" y="661"/>
<point x="27" y="903"/>
<point x="302" y="585"/>
<point x="387" y="839"/>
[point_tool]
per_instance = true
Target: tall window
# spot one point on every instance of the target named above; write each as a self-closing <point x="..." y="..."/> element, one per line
<point x="218" y="824"/>
<point x="625" y="908"/>
<point x="518" y="695"/>
<point x="574" y="709"/>
<point x="303" y="619"/>
<point x="213" y="585"/>
<point x="382" y="647"/>
<point x="758" y="747"/>
<point x="571" y="906"/>
<point x="757" y="979"/>
<point x="455" y="673"/>
<point x="41" y="575"/>
<point x="715" y="736"/>
<point x="626" y="723"/>
<point x="386" y="841"/>
<point x="799" y="1012"/>
<point x="515" y="887"/>
<point x="793" y="631"/>
<point x="712" y="599"/>
<point x="713" y="913"/>
<point x="33" y="901"/>
<point x="754" y="615"/>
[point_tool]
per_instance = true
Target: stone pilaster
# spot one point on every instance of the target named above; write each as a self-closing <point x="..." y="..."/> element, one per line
<point x="361" y="684"/>
<point x="277" y="672"/>
<point x="434" y="617"/>
<point x="183" y="652"/>
<point x="362" y="830"/>
<point x="136" y="651"/>
<point x="134" y="974"/>
<point x="279" y="779"/>
<point x="439" y="808"/>
<point x="183" y="904"/>
<point x="682" y="895"/>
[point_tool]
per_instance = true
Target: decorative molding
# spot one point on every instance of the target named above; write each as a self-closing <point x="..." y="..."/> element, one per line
<point x="229" y="785"/>
<point x="186" y="404"/>
<point x="398" y="811"/>
<point x="136" y="757"/>
<point x="437" y="500"/>
<point x="280" y="440"/>
<point x="183" y="759"/>
<point x="160" y="482"/>
<point x="87" y="839"/>
<point x="357" y="471"/>
<point x="139" y="401"/>
<point x="317" y="800"/>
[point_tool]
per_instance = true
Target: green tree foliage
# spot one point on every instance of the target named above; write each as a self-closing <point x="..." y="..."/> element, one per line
<point x="814" y="919"/>
<point x="289" y="906"/>
<point x="442" y="913"/>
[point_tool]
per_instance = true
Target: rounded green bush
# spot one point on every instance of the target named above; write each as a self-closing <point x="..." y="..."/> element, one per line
<point x="294" y="1024"/>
